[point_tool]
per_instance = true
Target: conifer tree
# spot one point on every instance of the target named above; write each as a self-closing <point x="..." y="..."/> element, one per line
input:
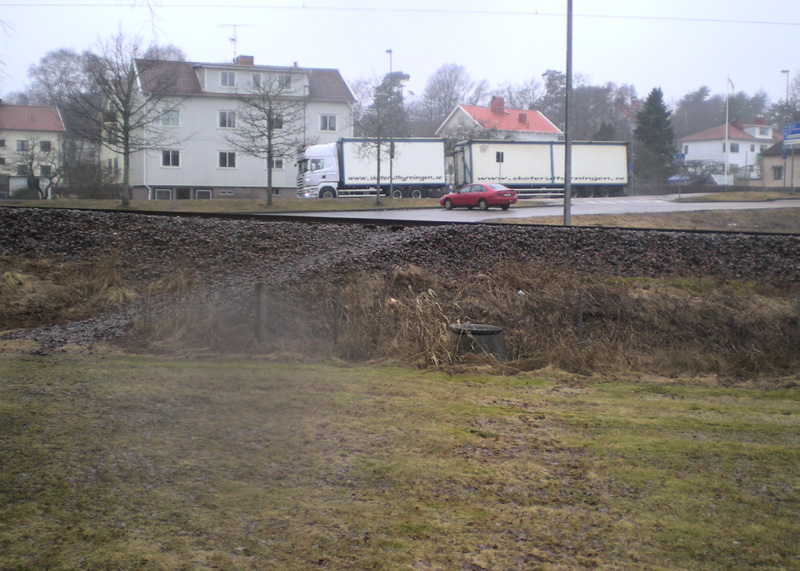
<point x="654" y="151"/>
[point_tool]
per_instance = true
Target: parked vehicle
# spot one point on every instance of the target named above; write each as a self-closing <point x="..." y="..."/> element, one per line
<point x="537" y="167"/>
<point x="483" y="195"/>
<point x="349" y="167"/>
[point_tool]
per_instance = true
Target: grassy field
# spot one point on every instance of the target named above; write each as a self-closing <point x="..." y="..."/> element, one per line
<point x="113" y="462"/>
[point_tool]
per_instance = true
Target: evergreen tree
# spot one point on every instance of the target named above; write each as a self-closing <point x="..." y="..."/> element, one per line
<point x="655" y="140"/>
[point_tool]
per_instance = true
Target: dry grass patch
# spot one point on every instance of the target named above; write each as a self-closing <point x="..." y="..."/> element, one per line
<point x="239" y="464"/>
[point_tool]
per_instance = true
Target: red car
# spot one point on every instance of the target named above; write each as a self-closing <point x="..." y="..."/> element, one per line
<point x="480" y="194"/>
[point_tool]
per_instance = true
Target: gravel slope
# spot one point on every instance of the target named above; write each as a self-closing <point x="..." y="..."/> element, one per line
<point x="231" y="255"/>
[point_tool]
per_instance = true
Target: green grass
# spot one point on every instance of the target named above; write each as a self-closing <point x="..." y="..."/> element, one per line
<point x="139" y="463"/>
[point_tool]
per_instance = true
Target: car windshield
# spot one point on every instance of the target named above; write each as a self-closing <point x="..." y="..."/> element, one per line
<point x="306" y="165"/>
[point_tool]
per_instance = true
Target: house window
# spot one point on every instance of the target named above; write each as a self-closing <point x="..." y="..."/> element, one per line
<point x="763" y="131"/>
<point x="46" y="171"/>
<point x="22" y="170"/>
<point x="2" y="160"/>
<point x="752" y="148"/>
<point x="170" y="158"/>
<point x="734" y="147"/>
<point x="285" y="82"/>
<point x="763" y="148"/>
<point x="45" y="146"/>
<point x="227" y="78"/>
<point x="327" y="122"/>
<point x="22" y="146"/>
<point x="202" y="194"/>
<point x="163" y="194"/>
<point x="686" y="149"/>
<point x="171" y="118"/>
<point x="227" y="160"/>
<point x="277" y="163"/>
<point x="777" y="173"/>
<point x="257" y="80"/>
<point x="227" y="119"/>
<point x="277" y="122"/>
<point x="2" y="142"/>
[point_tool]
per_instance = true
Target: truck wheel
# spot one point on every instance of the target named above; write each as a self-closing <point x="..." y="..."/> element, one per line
<point x="483" y="205"/>
<point x="448" y="204"/>
<point x="573" y="193"/>
<point x="327" y="192"/>
<point x="397" y="193"/>
<point x="417" y="192"/>
<point x="603" y="192"/>
<point x="588" y="192"/>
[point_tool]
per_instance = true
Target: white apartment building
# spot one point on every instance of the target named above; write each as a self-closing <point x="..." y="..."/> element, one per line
<point x="202" y="163"/>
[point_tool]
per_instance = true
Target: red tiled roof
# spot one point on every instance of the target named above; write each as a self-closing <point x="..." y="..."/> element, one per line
<point x="511" y="119"/>
<point x="30" y="118"/>
<point x="718" y="133"/>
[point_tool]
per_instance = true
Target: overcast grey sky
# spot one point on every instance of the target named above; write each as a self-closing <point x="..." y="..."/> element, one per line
<point x="678" y="45"/>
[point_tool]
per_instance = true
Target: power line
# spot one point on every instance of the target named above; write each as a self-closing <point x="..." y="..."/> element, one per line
<point x="405" y="10"/>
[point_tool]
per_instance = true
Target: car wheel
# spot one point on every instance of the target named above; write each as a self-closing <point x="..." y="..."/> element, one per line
<point x="505" y="206"/>
<point x="482" y="204"/>
<point x="448" y="204"/>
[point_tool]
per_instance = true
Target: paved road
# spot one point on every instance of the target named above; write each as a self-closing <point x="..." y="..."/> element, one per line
<point x="536" y="207"/>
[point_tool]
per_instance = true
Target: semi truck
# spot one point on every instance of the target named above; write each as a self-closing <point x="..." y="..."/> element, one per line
<point x="536" y="168"/>
<point x="416" y="168"/>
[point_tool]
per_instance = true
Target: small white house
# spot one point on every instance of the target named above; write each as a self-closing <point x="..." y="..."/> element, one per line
<point x="497" y="122"/>
<point x="739" y="145"/>
<point x="202" y="163"/>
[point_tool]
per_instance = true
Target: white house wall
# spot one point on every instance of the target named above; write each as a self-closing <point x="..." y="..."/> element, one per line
<point x="201" y="140"/>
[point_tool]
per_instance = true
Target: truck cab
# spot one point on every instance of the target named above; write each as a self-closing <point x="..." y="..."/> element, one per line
<point x="318" y="172"/>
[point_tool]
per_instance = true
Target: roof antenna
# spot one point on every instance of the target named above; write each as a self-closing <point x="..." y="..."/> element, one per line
<point x="235" y="38"/>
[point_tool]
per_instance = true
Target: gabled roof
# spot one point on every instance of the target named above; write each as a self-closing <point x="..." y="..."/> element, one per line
<point x="718" y="133"/>
<point x="180" y="78"/>
<point x="30" y="118"/>
<point x="171" y="77"/>
<point x="523" y="120"/>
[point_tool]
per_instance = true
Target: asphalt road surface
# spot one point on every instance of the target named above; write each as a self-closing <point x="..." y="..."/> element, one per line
<point x="537" y="207"/>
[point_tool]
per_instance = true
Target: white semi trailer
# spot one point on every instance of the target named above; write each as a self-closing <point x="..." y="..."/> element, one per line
<point x="537" y="167"/>
<point x="349" y="167"/>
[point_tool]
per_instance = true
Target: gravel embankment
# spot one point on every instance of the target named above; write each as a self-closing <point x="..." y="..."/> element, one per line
<point x="230" y="256"/>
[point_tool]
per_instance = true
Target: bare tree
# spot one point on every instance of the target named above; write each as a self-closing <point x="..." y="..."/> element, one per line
<point x="270" y="120"/>
<point x="449" y="86"/>
<point x="114" y="111"/>
<point x="39" y="161"/>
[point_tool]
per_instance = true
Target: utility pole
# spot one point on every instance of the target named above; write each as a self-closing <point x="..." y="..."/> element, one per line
<point x="568" y="125"/>
<point x="391" y="142"/>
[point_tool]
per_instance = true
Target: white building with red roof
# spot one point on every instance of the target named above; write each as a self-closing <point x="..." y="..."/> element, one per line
<point x="30" y="140"/>
<point x="498" y="122"/>
<point x="739" y="146"/>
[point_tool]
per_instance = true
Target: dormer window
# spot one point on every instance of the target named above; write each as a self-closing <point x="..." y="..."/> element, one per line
<point x="285" y="82"/>
<point x="227" y="78"/>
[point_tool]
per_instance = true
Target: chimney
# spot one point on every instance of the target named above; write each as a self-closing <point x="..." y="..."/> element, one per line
<point x="760" y="121"/>
<point x="523" y="118"/>
<point x="498" y="105"/>
<point x="295" y="64"/>
<point x="737" y="123"/>
<point x="244" y="60"/>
